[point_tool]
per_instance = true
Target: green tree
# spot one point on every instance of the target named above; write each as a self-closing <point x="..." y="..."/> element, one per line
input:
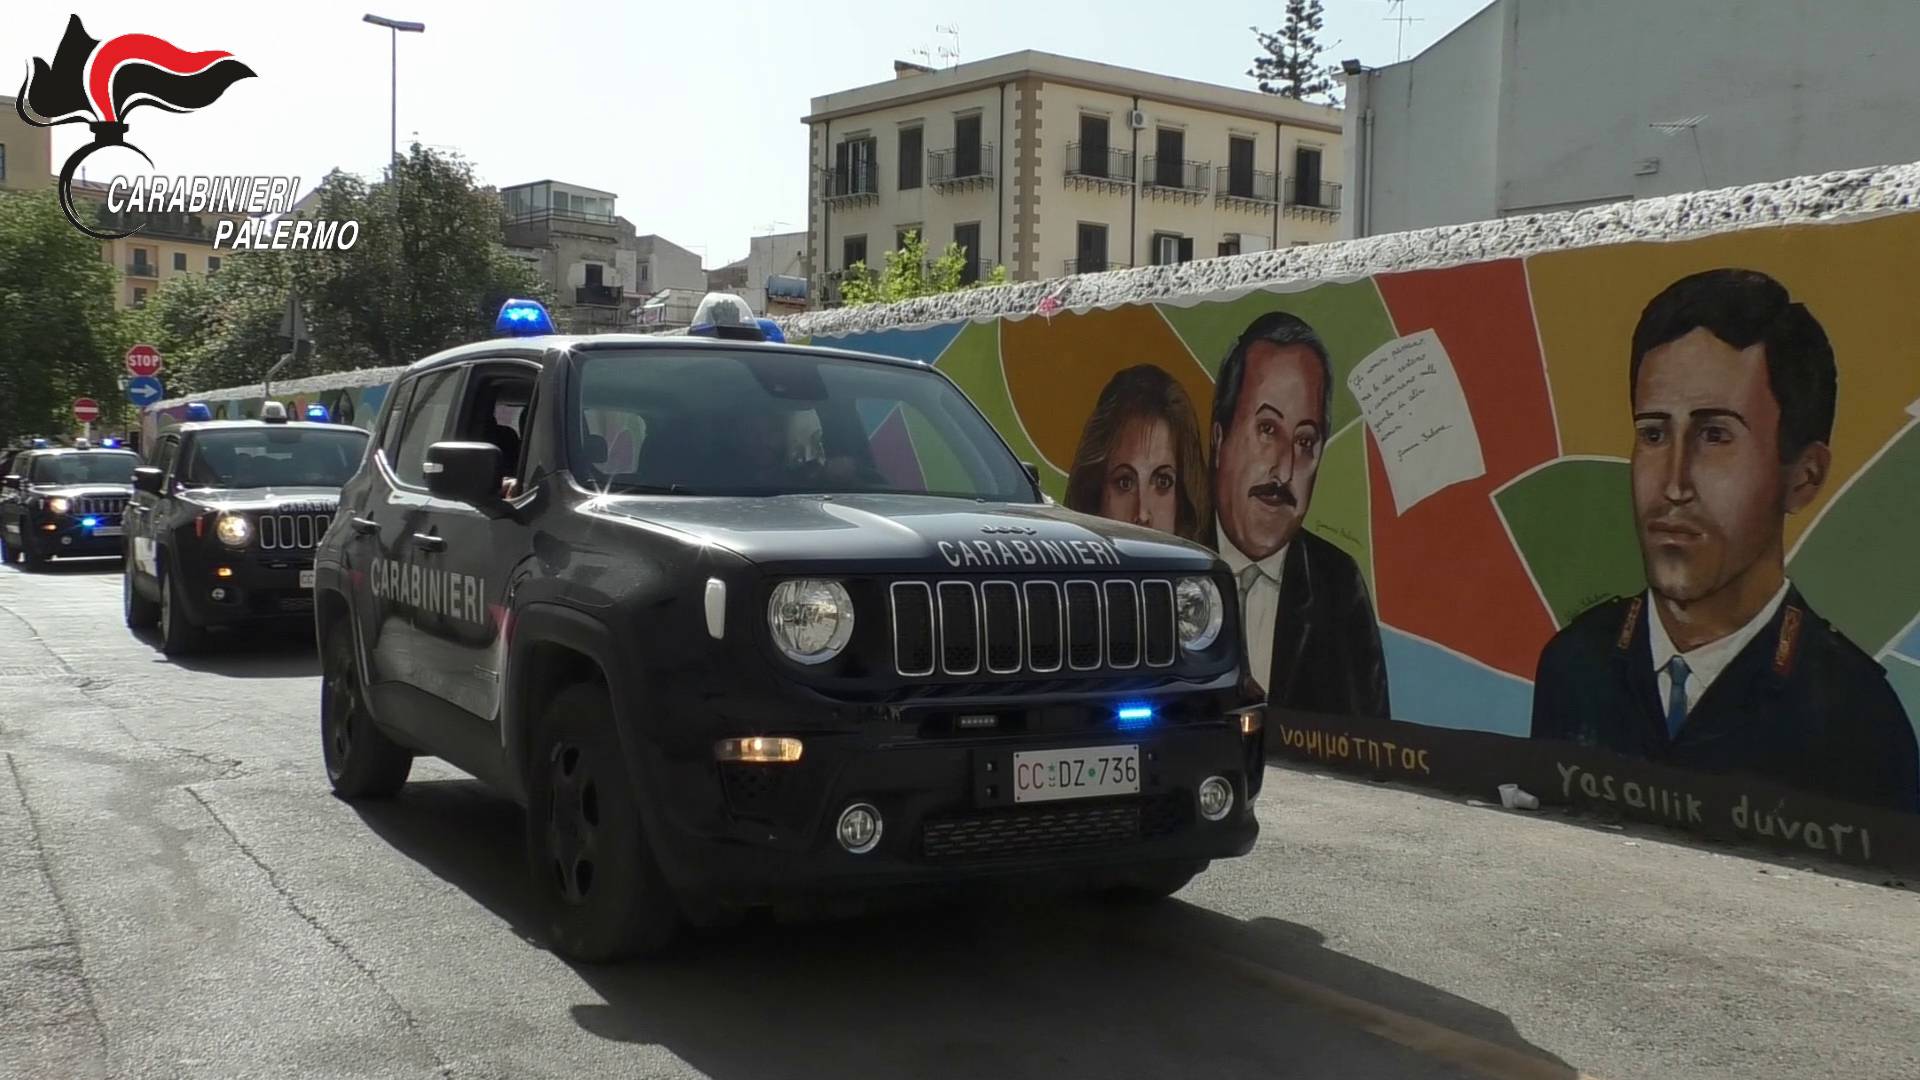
<point x="908" y="274"/>
<point x="428" y="269"/>
<point x="1290" y="62"/>
<point x="59" y="331"/>
<point x="221" y="330"/>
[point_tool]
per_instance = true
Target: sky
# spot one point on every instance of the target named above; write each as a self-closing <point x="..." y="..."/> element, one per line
<point x="689" y="112"/>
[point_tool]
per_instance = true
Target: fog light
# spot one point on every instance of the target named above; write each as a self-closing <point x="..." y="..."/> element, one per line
<point x="48" y="527"/>
<point x="1216" y="798"/>
<point x="223" y="571"/>
<point x="859" y="828"/>
<point x="219" y="594"/>
<point x="1251" y="720"/>
<point x="66" y="541"/>
<point x="758" y="750"/>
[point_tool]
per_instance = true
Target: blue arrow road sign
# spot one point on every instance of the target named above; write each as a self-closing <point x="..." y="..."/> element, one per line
<point x="144" y="390"/>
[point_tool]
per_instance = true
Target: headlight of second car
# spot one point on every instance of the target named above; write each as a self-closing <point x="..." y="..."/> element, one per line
<point x="233" y="530"/>
<point x="1201" y="612"/>
<point x="57" y="505"/>
<point x="811" y="619"/>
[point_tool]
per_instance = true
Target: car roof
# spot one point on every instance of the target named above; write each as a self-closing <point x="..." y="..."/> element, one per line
<point x="242" y="425"/>
<point x="49" y="450"/>
<point x="550" y="348"/>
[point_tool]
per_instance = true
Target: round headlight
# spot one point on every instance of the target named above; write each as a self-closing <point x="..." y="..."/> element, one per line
<point x="232" y="529"/>
<point x="811" y="619"/>
<point x="58" y="505"/>
<point x="1201" y="612"/>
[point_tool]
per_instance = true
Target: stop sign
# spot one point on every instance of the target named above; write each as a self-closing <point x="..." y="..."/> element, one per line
<point x="86" y="410"/>
<point x="143" y="361"/>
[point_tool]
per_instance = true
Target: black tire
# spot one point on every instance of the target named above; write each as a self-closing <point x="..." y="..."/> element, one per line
<point x="141" y="613"/>
<point x="600" y="892"/>
<point x="1150" y="885"/>
<point x="30" y="558"/>
<point x="178" y="635"/>
<point x="362" y="763"/>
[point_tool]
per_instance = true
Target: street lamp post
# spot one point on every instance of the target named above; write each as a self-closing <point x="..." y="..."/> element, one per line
<point x="396" y="26"/>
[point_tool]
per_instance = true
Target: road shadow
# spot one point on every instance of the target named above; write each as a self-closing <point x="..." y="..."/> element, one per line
<point x="974" y="986"/>
<point x="87" y="565"/>
<point x="249" y="653"/>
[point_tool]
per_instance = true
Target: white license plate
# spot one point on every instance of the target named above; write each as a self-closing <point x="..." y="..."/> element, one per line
<point x="110" y="530"/>
<point x="306" y="579"/>
<point x="1083" y="772"/>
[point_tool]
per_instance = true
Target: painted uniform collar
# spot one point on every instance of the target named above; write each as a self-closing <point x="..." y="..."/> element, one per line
<point x="1270" y="567"/>
<point x="1707" y="662"/>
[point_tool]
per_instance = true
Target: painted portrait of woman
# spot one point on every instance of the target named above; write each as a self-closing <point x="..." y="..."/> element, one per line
<point x="1140" y="457"/>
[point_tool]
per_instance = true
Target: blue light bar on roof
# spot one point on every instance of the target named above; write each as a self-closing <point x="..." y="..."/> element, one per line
<point x="197" y="410"/>
<point x="771" y="329"/>
<point x="520" y="318"/>
<point x="317" y="413"/>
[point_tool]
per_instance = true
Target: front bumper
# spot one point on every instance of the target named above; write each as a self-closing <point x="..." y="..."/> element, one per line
<point x="70" y="535"/>
<point x="765" y="834"/>
<point x="258" y="588"/>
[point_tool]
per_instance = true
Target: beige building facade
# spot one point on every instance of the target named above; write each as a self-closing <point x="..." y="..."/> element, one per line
<point x="26" y="152"/>
<point x="1050" y="166"/>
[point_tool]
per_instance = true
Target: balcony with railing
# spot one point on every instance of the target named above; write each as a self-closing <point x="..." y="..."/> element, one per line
<point x="1248" y="189"/>
<point x="141" y="268"/>
<point x="1100" y="167"/>
<point x="960" y="168"/>
<point x="1173" y="178"/>
<point x="599" y="295"/>
<point x="1314" y="199"/>
<point x="1090" y="266"/>
<point x="853" y="184"/>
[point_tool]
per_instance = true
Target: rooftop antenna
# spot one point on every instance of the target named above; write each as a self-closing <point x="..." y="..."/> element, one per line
<point x="1399" y="7"/>
<point x="1690" y="125"/>
<point x="949" y="53"/>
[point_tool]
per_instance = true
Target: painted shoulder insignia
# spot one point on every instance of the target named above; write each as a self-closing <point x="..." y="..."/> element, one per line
<point x="1788" y="645"/>
<point x="1625" y="639"/>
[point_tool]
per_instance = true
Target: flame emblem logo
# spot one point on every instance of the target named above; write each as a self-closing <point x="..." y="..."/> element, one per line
<point x="99" y="83"/>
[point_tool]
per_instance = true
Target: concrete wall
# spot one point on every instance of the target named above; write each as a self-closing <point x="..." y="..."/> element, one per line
<point x="1786" y="88"/>
<point x="1472" y="565"/>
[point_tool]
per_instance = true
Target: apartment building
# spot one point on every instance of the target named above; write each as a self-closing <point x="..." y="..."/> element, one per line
<point x="162" y="245"/>
<point x="772" y="278"/>
<point x="26" y="152"/>
<point x="1049" y="165"/>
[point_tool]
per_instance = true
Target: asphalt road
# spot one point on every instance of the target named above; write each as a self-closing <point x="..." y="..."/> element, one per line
<point x="181" y="897"/>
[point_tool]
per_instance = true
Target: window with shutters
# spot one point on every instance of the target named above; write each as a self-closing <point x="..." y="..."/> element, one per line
<point x="912" y="157"/>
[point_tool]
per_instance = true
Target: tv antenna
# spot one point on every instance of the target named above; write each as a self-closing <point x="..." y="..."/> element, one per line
<point x="1399" y="7"/>
<point x="951" y="53"/>
<point x="1690" y="125"/>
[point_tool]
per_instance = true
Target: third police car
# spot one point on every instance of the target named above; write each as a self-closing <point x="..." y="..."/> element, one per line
<point x="749" y="624"/>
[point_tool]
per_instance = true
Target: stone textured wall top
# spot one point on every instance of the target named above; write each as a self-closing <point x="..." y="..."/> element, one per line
<point x="1806" y="199"/>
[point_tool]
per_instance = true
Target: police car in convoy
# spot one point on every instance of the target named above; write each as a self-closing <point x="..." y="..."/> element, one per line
<point x="745" y="624"/>
<point x="58" y="501"/>
<point x="224" y="521"/>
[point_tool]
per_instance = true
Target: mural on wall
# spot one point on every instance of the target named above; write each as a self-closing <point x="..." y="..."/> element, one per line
<point x="1652" y="499"/>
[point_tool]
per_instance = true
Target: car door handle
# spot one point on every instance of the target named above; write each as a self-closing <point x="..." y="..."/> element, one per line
<point x="365" y="526"/>
<point x="429" y="542"/>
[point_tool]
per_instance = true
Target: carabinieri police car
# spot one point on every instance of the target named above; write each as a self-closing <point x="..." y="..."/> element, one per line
<point x="225" y="519"/>
<point x="746" y="624"/>
<point x="58" y="501"/>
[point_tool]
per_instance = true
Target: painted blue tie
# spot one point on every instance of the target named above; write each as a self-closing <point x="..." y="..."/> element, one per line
<point x="1677" y="671"/>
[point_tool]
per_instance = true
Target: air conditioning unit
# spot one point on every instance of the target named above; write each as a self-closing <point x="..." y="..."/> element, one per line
<point x="1137" y="120"/>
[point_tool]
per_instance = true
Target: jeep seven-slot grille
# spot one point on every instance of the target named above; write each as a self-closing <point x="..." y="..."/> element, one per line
<point x="292" y="532"/>
<point x="100" y="505"/>
<point x="963" y="627"/>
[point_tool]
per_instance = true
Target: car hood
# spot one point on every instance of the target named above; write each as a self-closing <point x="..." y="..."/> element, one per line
<point x="271" y="498"/>
<point x="71" y="491"/>
<point x="909" y="531"/>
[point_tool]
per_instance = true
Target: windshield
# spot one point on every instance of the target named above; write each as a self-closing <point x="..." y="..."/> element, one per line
<point x="91" y="467"/>
<point x="709" y="422"/>
<point x="274" y="457"/>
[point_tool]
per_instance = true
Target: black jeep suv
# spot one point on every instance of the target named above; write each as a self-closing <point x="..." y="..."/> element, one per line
<point x="64" y="501"/>
<point x="224" y="522"/>
<point x="751" y="625"/>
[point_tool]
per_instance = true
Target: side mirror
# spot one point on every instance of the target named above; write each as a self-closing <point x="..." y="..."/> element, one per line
<point x="11" y="482"/>
<point x="465" y="471"/>
<point x="1033" y="472"/>
<point x="147" y="478"/>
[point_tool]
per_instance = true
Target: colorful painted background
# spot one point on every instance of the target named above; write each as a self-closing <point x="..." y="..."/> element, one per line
<point x="1472" y="581"/>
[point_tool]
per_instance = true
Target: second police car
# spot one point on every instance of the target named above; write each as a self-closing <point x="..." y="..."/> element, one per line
<point x="59" y="501"/>
<point x="747" y="624"/>
<point x="224" y="522"/>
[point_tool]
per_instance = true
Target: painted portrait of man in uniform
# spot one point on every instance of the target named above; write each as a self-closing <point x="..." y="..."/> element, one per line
<point x="1721" y="664"/>
<point x="1140" y="458"/>
<point x="1313" y="642"/>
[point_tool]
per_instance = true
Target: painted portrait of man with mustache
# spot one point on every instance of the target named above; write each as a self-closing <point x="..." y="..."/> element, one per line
<point x="1721" y="664"/>
<point x="1313" y="643"/>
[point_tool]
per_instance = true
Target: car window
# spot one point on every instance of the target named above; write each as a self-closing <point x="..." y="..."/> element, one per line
<point x="271" y="456"/>
<point x="428" y="414"/>
<point x="91" y="467"/>
<point x="164" y="453"/>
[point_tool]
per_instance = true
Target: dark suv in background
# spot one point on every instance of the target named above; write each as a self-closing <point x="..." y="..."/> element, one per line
<point x="224" y="522"/>
<point x="64" y="501"/>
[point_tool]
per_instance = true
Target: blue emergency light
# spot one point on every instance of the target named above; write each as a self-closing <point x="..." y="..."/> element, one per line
<point x="1133" y="717"/>
<point x="89" y="522"/>
<point x="771" y="329"/>
<point x="40" y="444"/>
<point x="197" y="410"/>
<point x="519" y="318"/>
<point x="109" y="444"/>
<point x="317" y="414"/>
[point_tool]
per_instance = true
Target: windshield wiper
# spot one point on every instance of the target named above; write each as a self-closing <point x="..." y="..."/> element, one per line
<point x="654" y="489"/>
